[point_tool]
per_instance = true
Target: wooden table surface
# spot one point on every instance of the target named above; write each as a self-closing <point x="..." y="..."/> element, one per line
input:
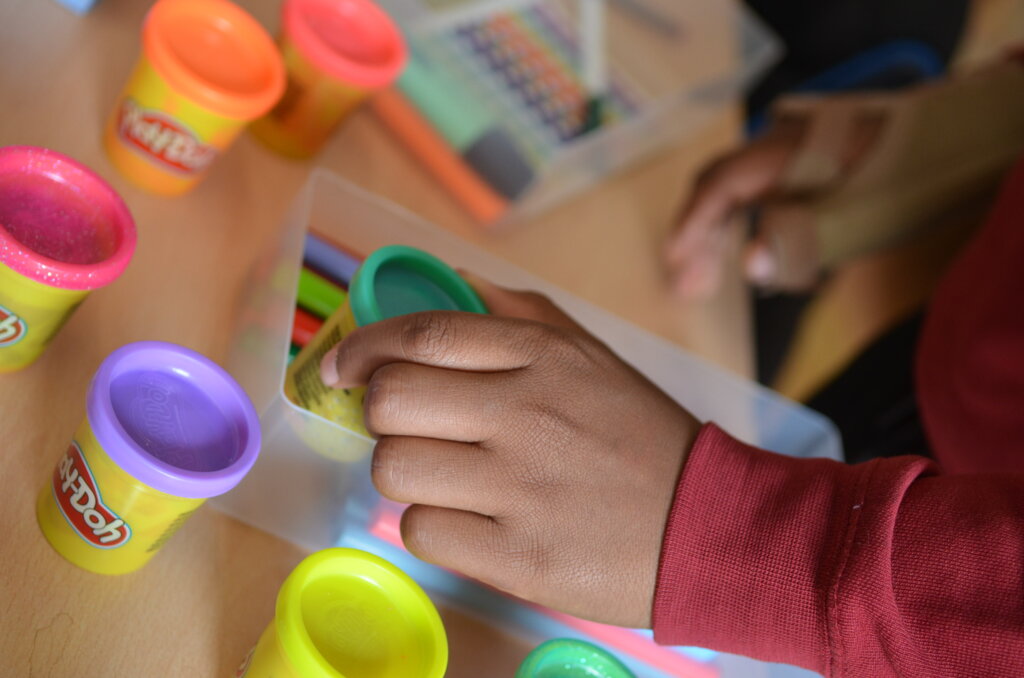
<point x="201" y="603"/>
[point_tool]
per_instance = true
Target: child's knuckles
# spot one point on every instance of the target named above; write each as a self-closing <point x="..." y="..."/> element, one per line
<point x="388" y="469"/>
<point x="382" y="406"/>
<point x="419" y="533"/>
<point x="428" y="338"/>
<point x="574" y="354"/>
<point x="443" y="537"/>
<point x="534" y="340"/>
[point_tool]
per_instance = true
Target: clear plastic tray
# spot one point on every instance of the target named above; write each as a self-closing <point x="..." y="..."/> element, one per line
<point x="670" y="64"/>
<point x="317" y="499"/>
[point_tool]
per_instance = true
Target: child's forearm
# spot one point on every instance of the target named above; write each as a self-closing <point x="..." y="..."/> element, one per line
<point x="879" y="569"/>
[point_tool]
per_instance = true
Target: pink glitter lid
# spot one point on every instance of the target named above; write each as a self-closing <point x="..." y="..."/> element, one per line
<point x="60" y="223"/>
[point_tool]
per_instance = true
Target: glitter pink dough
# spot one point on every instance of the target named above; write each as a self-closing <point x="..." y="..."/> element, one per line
<point x="60" y="224"/>
<point x="50" y="219"/>
<point x="64" y="232"/>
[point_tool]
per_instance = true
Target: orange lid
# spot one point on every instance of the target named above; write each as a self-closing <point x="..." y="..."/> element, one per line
<point x="216" y="54"/>
<point x="355" y="41"/>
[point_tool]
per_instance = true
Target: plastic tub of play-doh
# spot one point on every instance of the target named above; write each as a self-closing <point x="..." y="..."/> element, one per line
<point x="571" y="658"/>
<point x="394" y="280"/>
<point x="207" y="69"/>
<point x="165" y="429"/>
<point x="63" y="233"/>
<point x="344" y="613"/>
<point x="337" y="53"/>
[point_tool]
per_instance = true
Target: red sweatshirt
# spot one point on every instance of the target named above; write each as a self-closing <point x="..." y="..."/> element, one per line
<point x="897" y="567"/>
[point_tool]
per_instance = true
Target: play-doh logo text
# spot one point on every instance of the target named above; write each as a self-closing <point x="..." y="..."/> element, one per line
<point x="78" y="497"/>
<point x="12" y="327"/>
<point x="163" y="138"/>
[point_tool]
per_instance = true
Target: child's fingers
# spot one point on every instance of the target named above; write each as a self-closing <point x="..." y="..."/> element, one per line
<point x="783" y="254"/>
<point x="470" y="543"/>
<point x="521" y="447"/>
<point x="436" y="473"/>
<point x="733" y="183"/>
<point x="700" y="277"/>
<point x="407" y="399"/>
<point x="461" y="341"/>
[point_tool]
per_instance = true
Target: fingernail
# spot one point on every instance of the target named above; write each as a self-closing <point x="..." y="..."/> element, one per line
<point x="329" y="367"/>
<point x="761" y="266"/>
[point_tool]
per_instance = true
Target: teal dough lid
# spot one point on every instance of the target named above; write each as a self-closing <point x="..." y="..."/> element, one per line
<point x="397" y="280"/>
<point x="568" y="658"/>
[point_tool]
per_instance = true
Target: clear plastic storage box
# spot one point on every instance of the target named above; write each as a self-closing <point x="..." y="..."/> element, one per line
<point x="511" y="72"/>
<point x="311" y="485"/>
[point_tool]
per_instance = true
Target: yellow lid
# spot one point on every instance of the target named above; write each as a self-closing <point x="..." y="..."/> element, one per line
<point x="344" y="613"/>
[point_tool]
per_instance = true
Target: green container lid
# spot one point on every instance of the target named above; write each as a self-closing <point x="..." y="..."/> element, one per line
<point x="568" y="658"/>
<point x="397" y="280"/>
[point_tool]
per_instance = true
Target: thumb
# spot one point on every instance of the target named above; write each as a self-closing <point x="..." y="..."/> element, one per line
<point x="502" y="301"/>
<point x="783" y="255"/>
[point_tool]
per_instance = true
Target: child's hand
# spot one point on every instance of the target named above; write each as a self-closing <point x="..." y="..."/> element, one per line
<point x="696" y="251"/>
<point x="786" y="174"/>
<point x="535" y="459"/>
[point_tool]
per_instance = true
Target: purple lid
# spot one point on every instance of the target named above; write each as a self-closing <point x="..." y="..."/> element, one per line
<point x="173" y="419"/>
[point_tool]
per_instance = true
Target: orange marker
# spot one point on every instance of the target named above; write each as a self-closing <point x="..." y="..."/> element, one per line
<point x="426" y="143"/>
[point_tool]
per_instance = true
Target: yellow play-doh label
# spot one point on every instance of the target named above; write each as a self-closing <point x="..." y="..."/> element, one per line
<point x="81" y="503"/>
<point x="305" y="388"/>
<point x="99" y="517"/>
<point x="12" y="327"/>
<point x="162" y="140"/>
<point x="31" y="313"/>
<point x="165" y="140"/>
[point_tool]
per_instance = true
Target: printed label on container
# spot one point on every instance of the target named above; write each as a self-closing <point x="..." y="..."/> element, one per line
<point x="163" y="139"/>
<point x="74" y="488"/>
<point x="12" y="328"/>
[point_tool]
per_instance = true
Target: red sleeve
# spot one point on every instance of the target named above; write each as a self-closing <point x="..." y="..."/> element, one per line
<point x="970" y="361"/>
<point x="880" y="569"/>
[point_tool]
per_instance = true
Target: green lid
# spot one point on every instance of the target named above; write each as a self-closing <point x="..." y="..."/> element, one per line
<point x="568" y="658"/>
<point x="396" y="280"/>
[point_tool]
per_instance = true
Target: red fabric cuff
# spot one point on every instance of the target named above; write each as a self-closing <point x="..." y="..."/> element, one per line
<point x="747" y="549"/>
